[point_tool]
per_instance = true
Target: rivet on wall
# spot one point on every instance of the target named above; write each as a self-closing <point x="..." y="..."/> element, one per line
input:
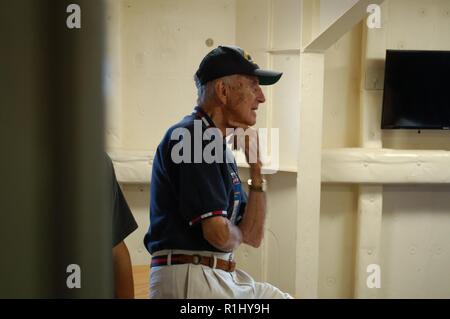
<point x="139" y="59"/>
<point x="209" y="42"/>
<point x="331" y="281"/>
<point x="423" y="12"/>
<point x="141" y="110"/>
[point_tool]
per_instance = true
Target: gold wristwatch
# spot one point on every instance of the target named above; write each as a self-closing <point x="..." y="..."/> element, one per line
<point x="259" y="188"/>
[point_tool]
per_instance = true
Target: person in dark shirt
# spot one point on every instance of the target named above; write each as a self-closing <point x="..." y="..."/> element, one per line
<point x="123" y="225"/>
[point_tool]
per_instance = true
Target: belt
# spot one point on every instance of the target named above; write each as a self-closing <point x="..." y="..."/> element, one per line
<point x="176" y="259"/>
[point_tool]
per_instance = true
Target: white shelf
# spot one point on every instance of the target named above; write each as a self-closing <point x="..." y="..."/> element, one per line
<point x="344" y="165"/>
<point x="385" y="166"/>
<point x="132" y="166"/>
<point x="135" y="167"/>
<point x="271" y="170"/>
<point x="284" y="51"/>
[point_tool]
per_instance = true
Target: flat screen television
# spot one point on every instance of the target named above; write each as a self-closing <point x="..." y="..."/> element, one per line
<point x="416" y="90"/>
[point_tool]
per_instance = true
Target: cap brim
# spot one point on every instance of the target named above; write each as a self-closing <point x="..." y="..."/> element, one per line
<point x="267" y="77"/>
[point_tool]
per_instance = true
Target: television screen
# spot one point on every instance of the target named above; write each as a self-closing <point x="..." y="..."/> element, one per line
<point x="416" y="90"/>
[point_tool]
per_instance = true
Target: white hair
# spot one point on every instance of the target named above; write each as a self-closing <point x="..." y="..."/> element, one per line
<point x="205" y="92"/>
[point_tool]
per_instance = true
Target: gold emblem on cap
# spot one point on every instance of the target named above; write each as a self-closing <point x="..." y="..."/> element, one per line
<point x="247" y="56"/>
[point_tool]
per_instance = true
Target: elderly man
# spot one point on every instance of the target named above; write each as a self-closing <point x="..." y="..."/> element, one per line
<point x="199" y="212"/>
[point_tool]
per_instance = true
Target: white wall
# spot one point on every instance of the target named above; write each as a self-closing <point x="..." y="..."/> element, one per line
<point x="337" y="241"/>
<point x="414" y="252"/>
<point x="339" y="202"/>
<point x="163" y="43"/>
<point x="138" y="198"/>
<point x="415" y="242"/>
<point x="341" y="100"/>
<point x="330" y="10"/>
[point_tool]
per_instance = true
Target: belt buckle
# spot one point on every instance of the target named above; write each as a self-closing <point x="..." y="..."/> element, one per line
<point x="230" y="261"/>
<point x="196" y="259"/>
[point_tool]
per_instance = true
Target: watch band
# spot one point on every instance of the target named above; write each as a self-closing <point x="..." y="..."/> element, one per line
<point x="255" y="188"/>
<point x="260" y="188"/>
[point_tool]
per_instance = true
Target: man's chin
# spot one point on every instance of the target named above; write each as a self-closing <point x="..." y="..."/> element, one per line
<point x="243" y="125"/>
<point x="252" y="122"/>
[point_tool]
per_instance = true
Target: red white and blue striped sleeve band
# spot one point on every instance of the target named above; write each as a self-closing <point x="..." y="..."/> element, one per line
<point x="207" y="215"/>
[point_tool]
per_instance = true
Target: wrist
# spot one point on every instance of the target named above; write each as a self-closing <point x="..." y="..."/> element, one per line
<point x="255" y="168"/>
<point x="256" y="178"/>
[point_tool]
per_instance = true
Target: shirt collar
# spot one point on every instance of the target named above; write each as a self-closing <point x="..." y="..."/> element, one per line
<point x="200" y="113"/>
<point x="207" y="121"/>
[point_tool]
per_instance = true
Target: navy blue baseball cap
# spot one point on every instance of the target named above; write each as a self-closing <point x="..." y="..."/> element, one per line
<point x="229" y="60"/>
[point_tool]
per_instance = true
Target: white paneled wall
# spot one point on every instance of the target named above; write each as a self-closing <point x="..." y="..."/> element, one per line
<point x="415" y="242"/>
<point x="286" y="22"/>
<point x="330" y="10"/>
<point x="286" y="108"/>
<point x="337" y="241"/>
<point x="163" y="43"/>
<point x="138" y="198"/>
<point x="391" y="221"/>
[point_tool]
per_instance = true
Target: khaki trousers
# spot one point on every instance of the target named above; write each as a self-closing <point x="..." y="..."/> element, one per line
<point x="189" y="281"/>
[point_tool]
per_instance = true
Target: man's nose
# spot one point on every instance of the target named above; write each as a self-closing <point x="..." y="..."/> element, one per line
<point x="260" y="95"/>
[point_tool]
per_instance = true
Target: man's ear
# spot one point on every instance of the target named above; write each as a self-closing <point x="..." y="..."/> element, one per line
<point x="221" y="91"/>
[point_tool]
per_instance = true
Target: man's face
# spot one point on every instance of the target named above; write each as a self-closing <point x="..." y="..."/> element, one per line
<point x="244" y="99"/>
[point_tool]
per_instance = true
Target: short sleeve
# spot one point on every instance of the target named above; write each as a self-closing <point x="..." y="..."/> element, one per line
<point x="203" y="191"/>
<point x="123" y="221"/>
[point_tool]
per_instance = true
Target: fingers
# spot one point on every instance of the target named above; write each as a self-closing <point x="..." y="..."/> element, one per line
<point x="247" y="141"/>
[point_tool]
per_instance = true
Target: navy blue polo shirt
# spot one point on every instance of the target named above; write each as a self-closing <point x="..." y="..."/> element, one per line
<point x="183" y="193"/>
